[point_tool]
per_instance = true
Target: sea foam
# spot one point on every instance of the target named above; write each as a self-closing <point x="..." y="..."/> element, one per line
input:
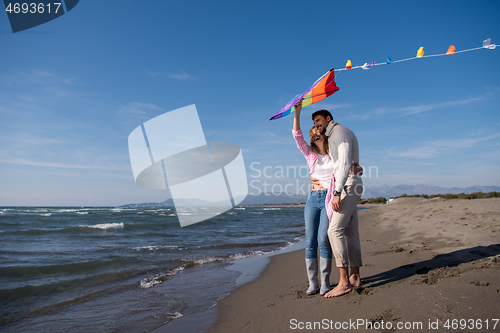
<point x="104" y="226"/>
<point x="152" y="281"/>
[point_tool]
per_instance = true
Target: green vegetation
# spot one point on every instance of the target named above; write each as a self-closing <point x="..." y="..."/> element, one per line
<point x="474" y="195"/>
<point x="379" y="200"/>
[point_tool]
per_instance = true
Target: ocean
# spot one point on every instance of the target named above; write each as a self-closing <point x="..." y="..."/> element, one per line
<point x="116" y="269"/>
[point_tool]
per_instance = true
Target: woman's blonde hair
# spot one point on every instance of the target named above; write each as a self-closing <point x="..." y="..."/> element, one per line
<point x="314" y="147"/>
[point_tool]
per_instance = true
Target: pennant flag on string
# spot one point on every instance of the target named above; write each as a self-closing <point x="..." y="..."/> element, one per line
<point x="487" y="44"/>
<point x="420" y="52"/>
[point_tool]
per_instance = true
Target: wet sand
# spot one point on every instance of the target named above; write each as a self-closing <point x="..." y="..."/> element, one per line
<point x="430" y="265"/>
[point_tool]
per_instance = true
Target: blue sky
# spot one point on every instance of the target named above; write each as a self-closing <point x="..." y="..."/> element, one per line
<point x="73" y="89"/>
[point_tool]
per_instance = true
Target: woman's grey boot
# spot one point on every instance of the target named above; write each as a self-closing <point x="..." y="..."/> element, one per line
<point x="312" y="275"/>
<point x="325" y="267"/>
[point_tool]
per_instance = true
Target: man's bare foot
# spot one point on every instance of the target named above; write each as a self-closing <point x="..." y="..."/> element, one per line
<point x="339" y="290"/>
<point x="355" y="280"/>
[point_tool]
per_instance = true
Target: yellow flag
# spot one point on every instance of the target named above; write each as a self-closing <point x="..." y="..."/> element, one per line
<point x="420" y="52"/>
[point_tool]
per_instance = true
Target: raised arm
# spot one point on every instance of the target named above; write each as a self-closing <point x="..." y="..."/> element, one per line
<point x="296" y="119"/>
<point x="297" y="132"/>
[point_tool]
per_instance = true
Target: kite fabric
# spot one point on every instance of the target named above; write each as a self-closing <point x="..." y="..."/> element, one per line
<point x="326" y="86"/>
<point x="321" y="89"/>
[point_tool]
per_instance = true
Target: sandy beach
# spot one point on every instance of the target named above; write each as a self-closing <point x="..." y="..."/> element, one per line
<point x="430" y="265"/>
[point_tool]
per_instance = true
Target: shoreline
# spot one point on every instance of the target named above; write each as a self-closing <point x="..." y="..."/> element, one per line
<point x="427" y="262"/>
<point x="250" y="268"/>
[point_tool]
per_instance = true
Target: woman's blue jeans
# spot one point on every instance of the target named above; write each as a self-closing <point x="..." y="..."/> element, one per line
<point x="316" y="220"/>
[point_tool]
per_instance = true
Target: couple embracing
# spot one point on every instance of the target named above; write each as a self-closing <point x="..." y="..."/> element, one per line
<point x="331" y="217"/>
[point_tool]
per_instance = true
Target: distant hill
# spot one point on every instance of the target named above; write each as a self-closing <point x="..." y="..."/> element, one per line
<point x="388" y="191"/>
<point x="249" y="200"/>
<point x="273" y="199"/>
<point x="385" y="191"/>
<point x="168" y="202"/>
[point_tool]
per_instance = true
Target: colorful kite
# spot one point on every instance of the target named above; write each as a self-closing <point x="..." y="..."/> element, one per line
<point x="321" y="89"/>
<point x="326" y="86"/>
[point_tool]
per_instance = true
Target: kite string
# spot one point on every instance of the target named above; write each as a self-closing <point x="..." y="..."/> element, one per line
<point x="412" y="58"/>
<point x="477" y="48"/>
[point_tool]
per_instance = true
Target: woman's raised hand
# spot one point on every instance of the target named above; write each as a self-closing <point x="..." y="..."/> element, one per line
<point x="298" y="107"/>
<point x="296" y="119"/>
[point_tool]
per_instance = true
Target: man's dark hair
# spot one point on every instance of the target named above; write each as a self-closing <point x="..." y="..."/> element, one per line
<point x="323" y="113"/>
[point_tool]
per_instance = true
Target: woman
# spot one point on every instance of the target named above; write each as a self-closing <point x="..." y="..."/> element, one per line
<point x="315" y="212"/>
<point x="315" y="215"/>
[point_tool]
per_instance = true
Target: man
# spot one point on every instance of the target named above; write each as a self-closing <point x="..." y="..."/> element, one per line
<point x="343" y="229"/>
